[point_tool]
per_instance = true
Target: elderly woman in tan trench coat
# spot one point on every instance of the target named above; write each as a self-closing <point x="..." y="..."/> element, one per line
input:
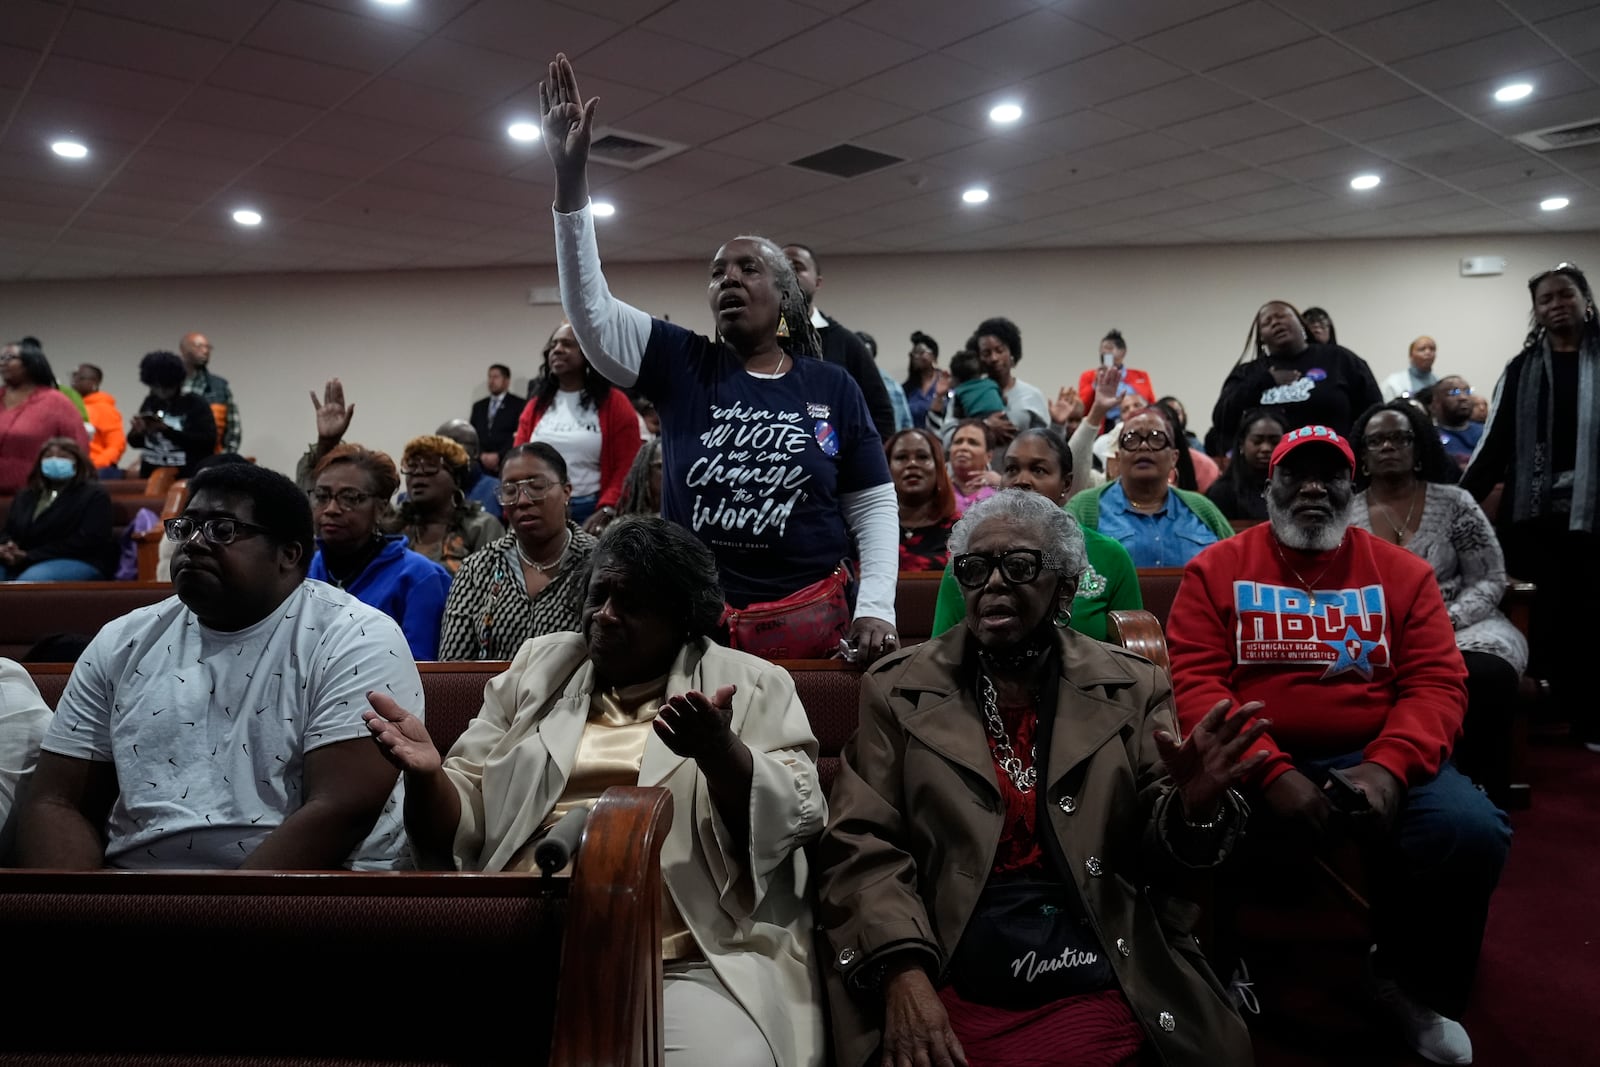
<point x="1004" y="824"/>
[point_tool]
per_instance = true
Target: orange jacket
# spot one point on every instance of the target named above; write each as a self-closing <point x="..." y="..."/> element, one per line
<point x="110" y="441"/>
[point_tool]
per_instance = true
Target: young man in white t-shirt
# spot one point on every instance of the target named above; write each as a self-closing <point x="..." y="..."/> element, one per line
<point x="222" y="727"/>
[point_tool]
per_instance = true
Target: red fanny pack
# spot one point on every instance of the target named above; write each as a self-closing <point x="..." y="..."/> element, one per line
<point x="806" y="624"/>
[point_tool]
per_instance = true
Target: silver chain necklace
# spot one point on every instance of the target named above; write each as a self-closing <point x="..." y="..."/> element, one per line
<point x="1024" y="780"/>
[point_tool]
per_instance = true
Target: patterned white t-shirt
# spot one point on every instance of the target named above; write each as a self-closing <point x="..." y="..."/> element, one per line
<point x="209" y="730"/>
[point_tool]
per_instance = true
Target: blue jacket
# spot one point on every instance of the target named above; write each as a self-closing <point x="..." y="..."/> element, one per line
<point x="409" y="588"/>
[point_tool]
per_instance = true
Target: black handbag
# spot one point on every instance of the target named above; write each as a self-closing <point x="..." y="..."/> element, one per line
<point x="1026" y="945"/>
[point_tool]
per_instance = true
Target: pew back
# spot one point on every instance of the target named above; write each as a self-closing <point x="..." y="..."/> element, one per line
<point x="30" y="611"/>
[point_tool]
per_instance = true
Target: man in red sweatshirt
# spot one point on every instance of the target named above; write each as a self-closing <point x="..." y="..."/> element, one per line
<point x="1346" y="640"/>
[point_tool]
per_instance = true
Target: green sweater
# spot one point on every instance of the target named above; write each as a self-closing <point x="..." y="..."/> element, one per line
<point x="1110" y="584"/>
<point x="1085" y="507"/>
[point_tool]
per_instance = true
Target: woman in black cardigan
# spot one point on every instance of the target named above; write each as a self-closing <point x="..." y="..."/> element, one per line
<point x="59" y="525"/>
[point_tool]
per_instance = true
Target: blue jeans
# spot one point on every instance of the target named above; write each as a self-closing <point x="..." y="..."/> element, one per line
<point x="1431" y="880"/>
<point x="56" y="570"/>
<point x="582" y="507"/>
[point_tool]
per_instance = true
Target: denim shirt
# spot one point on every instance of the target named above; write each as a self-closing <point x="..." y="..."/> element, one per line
<point x="1170" y="537"/>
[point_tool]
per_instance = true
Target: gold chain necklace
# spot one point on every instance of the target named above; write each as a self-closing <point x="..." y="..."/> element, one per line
<point x="1305" y="585"/>
<point x="1402" y="531"/>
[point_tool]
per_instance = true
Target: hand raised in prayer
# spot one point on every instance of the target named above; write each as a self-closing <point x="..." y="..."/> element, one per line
<point x="1209" y="761"/>
<point x="401" y="737"/>
<point x="567" y="118"/>
<point x="333" y="414"/>
<point x="1064" y="405"/>
<point x="696" y="726"/>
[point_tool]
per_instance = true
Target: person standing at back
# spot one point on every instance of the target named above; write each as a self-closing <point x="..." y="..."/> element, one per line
<point x="32" y="411"/>
<point x="174" y="428"/>
<point x="1114" y="349"/>
<point x="1418" y="373"/>
<point x="1450" y="404"/>
<point x="109" y="441"/>
<point x="840" y="344"/>
<point x="495" y="418"/>
<point x="196" y="353"/>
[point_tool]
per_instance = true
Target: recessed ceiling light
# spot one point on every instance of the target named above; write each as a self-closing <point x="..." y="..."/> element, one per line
<point x="1515" y="91"/>
<point x="523" y="131"/>
<point x="246" y="217"/>
<point x="1554" y="203"/>
<point x="69" y="149"/>
<point x="602" y="209"/>
<point x="976" y="195"/>
<point x="1004" y="113"/>
<point x="393" y="3"/>
<point x="1365" y="181"/>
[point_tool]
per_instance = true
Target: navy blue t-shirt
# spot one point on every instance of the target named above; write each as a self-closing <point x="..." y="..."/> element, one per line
<point x="755" y="466"/>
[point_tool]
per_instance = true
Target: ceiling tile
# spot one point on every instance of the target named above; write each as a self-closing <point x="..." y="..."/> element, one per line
<point x="244" y="112"/>
<point x="30" y="24"/>
<point x="1342" y="96"/>
<point x="1546" y="112"/>
<point x="300" y="183"/>
<point x="1173" y="102"/>
<point x="385" y="140"/>
<point x="936" y="25"/>
<point x="534" y="29"/>
<point x="1089" y="82"/>
<point x="1575" y="33"/>
<point x="118" y="42"/>
<point x="413" y="105"/>
<point x="1080" y="130"/>
<point x="469" y="153"/>
<point x="183" y="136"/>
<point x="1326" y="16"/>
<point x="843" y="114"/>
<point x="300" y="29"/>
<point x="427" y="17"/>
<point x="1291" y="67"/>
<point x="465" y="69"/>
<point x="840" y="53"/>
<point x="751" y="89"/>
<point x="1428" y="27"/>
<point x="326" y="159"/>
<point x="937" y="80"/>
<point x="1194" y="167"/>
<point x="655" y="62"/>
<point x="1497" y="56"/>
<point x="1227" y="127"/>
<point x="1414" y="114"/>
<point x="766" y="142"/>
<point x="1236" y="184"/>
<point x="1132" y="21"/>
<point x="919" y="137"/>
<point x="1347" y="160"/>
<point x="74" y="79"/>
<point x="226" y="22"/>
<point x="1286" y="144"/>
<point x="1133" y="153"/>
<point x="732" y="30"/>
<point x="261" y="73"/>
<point x="1226" y="37"/>
<point x="1550" y="81"/>
<point x="1037" y="42"/>
<point x="686" y="122"/>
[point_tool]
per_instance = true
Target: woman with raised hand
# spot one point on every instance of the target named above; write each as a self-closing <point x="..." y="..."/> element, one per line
<point x="769" y="454"/>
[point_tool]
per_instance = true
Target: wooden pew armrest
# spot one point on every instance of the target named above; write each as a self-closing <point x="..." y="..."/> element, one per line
<point x="1138" y="631"/>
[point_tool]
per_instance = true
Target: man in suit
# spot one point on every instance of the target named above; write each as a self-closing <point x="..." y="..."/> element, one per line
<point x="495" y="418"/>
<point x="840" y="344"/>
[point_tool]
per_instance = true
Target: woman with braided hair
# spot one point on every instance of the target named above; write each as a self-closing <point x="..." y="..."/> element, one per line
<point x="1542" y="440"/>
<point x="769" y="455"/>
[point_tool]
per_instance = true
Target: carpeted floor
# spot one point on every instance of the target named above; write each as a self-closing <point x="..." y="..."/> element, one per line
<point x="1537" y="1002"/>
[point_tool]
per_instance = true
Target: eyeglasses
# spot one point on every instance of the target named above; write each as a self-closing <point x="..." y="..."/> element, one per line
<point x="349" y="499"/>
<point x="1463" y="391"/>
<point x="1018" y="566"/>
<point x="223" y="531"/>
<point x="1134" y="440"/>
<point x="1559" y="268"/>
<point x="533" y="490"/>
<point x="1398" y="438"/>
<point x="419" y="470"/>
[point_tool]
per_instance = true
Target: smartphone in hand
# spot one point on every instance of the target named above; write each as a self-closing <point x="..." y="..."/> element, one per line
<point x="1344" y="794"/>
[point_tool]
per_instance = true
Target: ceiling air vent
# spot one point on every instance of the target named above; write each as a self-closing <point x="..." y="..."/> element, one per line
<point x="847" y="161"/>
<point x="630" y="151"/>
<point x="1570" y="135"/>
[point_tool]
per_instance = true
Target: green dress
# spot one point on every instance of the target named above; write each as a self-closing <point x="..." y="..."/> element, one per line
<point x="1110" y="584"/>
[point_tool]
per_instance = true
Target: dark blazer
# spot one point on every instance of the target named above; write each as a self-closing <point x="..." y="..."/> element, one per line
<point x="841" y="345"/>
<point x="497" y="437"/>
<point x="76" y="526"/>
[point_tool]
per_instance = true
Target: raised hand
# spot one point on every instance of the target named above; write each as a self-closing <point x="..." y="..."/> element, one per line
<point x="333" y="414"/>
<point x="696" y="726"/>
<point x="1207" y="763"/>
<point x="1064" y="405"/>
<point x="401" y="737"/>
<point x="568" y="123"/>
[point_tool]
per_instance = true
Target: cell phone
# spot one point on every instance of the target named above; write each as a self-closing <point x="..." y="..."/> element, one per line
<point x="1345" y="795"/>
<point x="1107" y="358"/>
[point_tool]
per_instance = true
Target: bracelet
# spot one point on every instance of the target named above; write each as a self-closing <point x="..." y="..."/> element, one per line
<point x="1216" y="820"/>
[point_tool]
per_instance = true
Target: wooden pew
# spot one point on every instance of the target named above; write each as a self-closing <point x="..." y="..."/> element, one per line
<point x="245" y="967"/>
<point x="31" y="611"/>
<point x="915" y="596"/>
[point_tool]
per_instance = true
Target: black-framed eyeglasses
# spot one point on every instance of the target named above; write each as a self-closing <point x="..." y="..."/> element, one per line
<point x="349" y="499"/>
<point x="1019" y="566"/>
<point x="219" y="531"/>
<point x="533" y="490"/>
<point x="1463" y="391"/>
<point x="1397" y="438"/>
<point x="419" y="470"/>
<point x="1133" y="440"/>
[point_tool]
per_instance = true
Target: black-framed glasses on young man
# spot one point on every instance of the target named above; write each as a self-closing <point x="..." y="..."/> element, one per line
<point x="533" y="490"/>
<point x="219" y="531"/>
<point x="1154" y="440"/>
<point x="1019" y="566"/>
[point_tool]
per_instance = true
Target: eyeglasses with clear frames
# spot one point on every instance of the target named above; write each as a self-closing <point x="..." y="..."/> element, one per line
<point x="533" y="490"/>
<point x="1018" y="566"/>
<point x="349" y="499"/>
<point x="219" y="531"/>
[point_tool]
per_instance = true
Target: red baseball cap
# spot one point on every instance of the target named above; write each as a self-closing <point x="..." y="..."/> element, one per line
<point x="1311" y="435"/>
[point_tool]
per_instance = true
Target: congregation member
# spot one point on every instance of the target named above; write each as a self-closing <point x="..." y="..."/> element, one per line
<point x="496" y="418"/>
<point x="1195" y="470"/>
<point x="477" y="484"/>
<point x="1542" y="441"/>
<point x="1241" y="491"/>
<point x="1405" y="496"/>
<point x="1450" y="404"/>
<point x="529" y="582"/>
<point x="24" y="717"/>
<point x="108" y="441"/>
<point x="998" y="343"/>
<point x="1038" y="461"/>
<point x="173" y="428"/>
<point x="1347" y="644"/>
<point x="971" y="475"/>
<point x="1008" y="827"/>
<point x="1181" y="413"/>
<point x="641" y="490"/>
<point x="32" y="411"/>
<point x="1418" y="373"/>
<point x="349" y="501"/>
<point x="1114" y="353"/>
<point x="1319" y="326"/>
<point x="573" y="408"/>
<point x="769" y="454"/>
<point x="436" y="517"/>
<point x="200" y="381"/>
<point x="333" y="418"/>
<point x="1311" y="383"/>
<point x="1158" y="523"/>
<point x="927" y="501"/>
<point x="840" y="345"/>
<point x="58" y="528"/>
<point x="222" y="727"/>
<point x="922" y="377"/>
<point x="642" y="696"/>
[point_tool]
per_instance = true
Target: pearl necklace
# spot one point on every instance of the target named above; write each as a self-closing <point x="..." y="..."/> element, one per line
<point x="542" y="567"/>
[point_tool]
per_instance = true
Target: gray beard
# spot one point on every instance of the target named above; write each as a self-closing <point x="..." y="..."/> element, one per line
<point x="1324" y="537"/>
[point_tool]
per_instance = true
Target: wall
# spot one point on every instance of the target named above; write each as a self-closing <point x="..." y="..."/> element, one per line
<point x="411" y="347"/>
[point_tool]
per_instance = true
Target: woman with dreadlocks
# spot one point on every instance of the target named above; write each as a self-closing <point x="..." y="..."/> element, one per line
<point x="768" y="453"/>
<point x="1542" y="440"/>
<point x="1311" y="384"/>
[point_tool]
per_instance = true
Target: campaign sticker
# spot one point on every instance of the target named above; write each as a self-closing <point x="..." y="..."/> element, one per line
<point x="1317" y="374"/>
<point x="827" y="437"/>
